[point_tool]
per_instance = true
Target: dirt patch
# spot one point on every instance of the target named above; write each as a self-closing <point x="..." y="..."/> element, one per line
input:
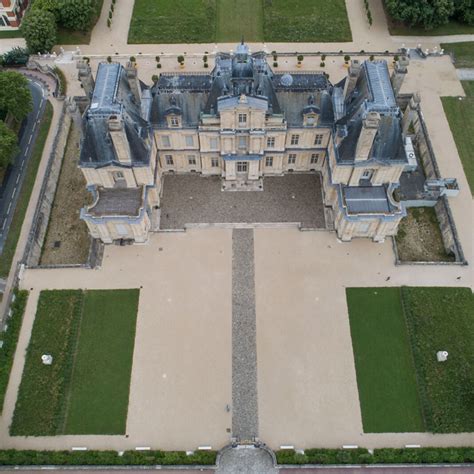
<point x="67" y="240"/>
<point x="419" y="237"/>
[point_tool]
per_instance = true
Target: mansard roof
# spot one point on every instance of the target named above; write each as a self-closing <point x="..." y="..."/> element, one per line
<point x="112" y="96"/>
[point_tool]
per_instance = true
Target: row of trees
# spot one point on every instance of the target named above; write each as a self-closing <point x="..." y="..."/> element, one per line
<point x="40" y="24"/>
<point x="431" y="13"/>
<point x="15" y="103"/>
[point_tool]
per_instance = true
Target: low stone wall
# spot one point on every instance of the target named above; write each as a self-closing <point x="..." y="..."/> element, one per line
<point x="48" y="190"/>
<point x="448" y="230"/>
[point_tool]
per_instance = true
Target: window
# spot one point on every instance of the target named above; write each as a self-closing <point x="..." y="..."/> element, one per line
<point x="213" y="143"/>
<point x="191" y="160"/>
<point x="169" y="160"/>
<point x="118" y="175"/>
<point x="242" y="142"/>
<point x="174" y="121"/>
<point x="270" y="142"/>
<point x="214" y="162"/>
<point x="165" y="139"/>
<point x="314" y="158"/>
<point x="295" y="139"/>
<point x="367" y="174"/>
<point x="291" y="159"/>
<point x="242" y="119"/>
<point x="318" y="139"/>
<point x="242" y="166"/>
<point x="269" y="161"/>
<point x="189" y="140"/>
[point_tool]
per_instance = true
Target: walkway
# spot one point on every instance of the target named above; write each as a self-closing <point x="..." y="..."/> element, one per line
<point x="244" y="344"/>
<point x="245" y="460"/>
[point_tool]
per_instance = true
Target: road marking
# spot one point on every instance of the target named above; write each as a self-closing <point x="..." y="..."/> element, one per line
<point x="9" y="207"/>
<point x="4" y="224"/>
<point x="29" y="141"/>
<point x="17" y="179"/>
<point x="27" y="148"/>
<point x="14" y="191"/>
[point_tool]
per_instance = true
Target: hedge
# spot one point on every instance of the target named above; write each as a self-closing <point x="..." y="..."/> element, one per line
<point x="11" y="457"/>
<point x="380" y="456"/>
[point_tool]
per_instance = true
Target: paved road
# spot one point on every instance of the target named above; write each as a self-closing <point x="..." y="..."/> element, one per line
<point x="9" y="191"/>
<point x="385" y="470"/>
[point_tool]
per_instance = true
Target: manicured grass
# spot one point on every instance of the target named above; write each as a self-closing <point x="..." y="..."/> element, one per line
<point x="10" y="34"/>
<point x="173" y="21"/>
<point x="463" y="53"/>
<point x="384" y="364"/>
<point x="443" y="319"/>
<point x="25" y="193"/>
<point x="460" y="115"/>
<point x="208" y="21"/>
<point x="91" y="337"/>
<point x="41" y="402"/>
<point x="101" y="379"/>
<point x="10" y="339"/>
<point x="237" y="19"/>
<point x="306" y="21"/>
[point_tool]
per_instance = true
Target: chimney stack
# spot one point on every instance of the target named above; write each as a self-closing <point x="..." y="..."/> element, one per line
<point x="119" y="139"/>
<point x="351" y="80"/>
<point x="370" y="125"/>
<point x="132" y="77"/>
<point x="398" y="75"/>
<point x="85" y="76"/>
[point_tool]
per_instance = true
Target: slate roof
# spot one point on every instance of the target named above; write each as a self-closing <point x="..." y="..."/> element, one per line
<point x="367" y="200"/>
<point x="112" y="95"/>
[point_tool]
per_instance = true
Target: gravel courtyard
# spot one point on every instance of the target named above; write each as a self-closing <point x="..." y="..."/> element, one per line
<point x="195" y="199"/>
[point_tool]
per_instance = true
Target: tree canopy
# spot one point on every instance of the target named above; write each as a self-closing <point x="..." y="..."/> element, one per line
<point x="75" y="14"/>
<point x="8" y="145"/>
<point x="39" y="29"/>
<point x="15" y="95"/>
<point x="430" y="13"/>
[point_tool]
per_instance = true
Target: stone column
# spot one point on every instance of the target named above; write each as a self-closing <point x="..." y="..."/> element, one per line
<point x="253" y="169"/>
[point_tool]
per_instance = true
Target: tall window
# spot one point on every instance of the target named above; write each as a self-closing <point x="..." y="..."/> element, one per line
<point x="314" y="158"/>
<point x="318" y="139"/>
<point x="242" y="119"/>
<point x="191" y="160"/>
<point x="242" y="166"/>
<point x="295" y="139"/>
<point x="291" y="159"/>
<point x="214" y="162"/>
<point x="242" y="142"/>
<point x="174" y="121"/>
<point x="169" y="160"/>
<point x="213" y="143"/>
<point x="189" y="140"/>
<point x="269" y="161"/>
<point x="165" y="140"/>
<point x="270" y="142"/>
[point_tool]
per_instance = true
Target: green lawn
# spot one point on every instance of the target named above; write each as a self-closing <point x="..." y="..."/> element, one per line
<point x="101" y="378"/>
<point x="443" y="319"/>
<point x="173" y="21"/>
<point x="90" y="336"/>
<point x="10" y="339"/>
<point x="208" y="21"/>
<point x="306" y="21"/>
<point x="460" y="115"/>
<point x="463" y="53"/>
<point x="384" y="364"/>
<point x="237" y="19"/>
<point x="25" y="193"/>
<point x="10" y="34"/>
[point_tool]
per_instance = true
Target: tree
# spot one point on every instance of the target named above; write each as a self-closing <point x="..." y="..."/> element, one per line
<point x="75" y="14"/>
<point x="15" y="95"/>
<point x="8" y="145"/>
<point x="39" y="29"/>
<point x="428" y="13"/>
<point x="46" y="5"/>
<point x="464" y="11"/>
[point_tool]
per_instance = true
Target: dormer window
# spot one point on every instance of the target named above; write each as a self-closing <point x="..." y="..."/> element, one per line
<point x="174" y="121"/>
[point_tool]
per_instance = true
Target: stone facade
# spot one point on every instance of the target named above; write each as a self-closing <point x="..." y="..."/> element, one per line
<point x="243" y="122"/>
<point x="11" y="12"/>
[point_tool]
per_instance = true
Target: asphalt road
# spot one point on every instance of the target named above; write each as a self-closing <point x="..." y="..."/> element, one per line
<point x="10" y="189"/>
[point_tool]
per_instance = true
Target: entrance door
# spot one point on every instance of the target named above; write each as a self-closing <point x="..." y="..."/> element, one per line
<point x="242" y="167"/>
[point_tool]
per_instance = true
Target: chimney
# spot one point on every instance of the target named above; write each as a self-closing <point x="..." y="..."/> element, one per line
<point x="411" y="112"/>
<point x="119" y="139"/>
<point x="74" y="112"/>
<point x="352" y="76"/>
<point x="132" y="77"/>
<point x="85" y="76"/>
<point x="398" y="75"/>
<point x="370" y="125"/>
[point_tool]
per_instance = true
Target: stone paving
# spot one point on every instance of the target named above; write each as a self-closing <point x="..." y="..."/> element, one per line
<point x="246" y="460"/>
<point x="244" y="344"/>
<point x="193" y="199"/>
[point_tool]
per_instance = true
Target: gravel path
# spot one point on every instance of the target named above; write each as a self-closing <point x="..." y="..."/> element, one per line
<point x="246" y="460"/>
<point x="244" y="346"/>
<point x="466" y="74"/>
<point x="193" y="199"/>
